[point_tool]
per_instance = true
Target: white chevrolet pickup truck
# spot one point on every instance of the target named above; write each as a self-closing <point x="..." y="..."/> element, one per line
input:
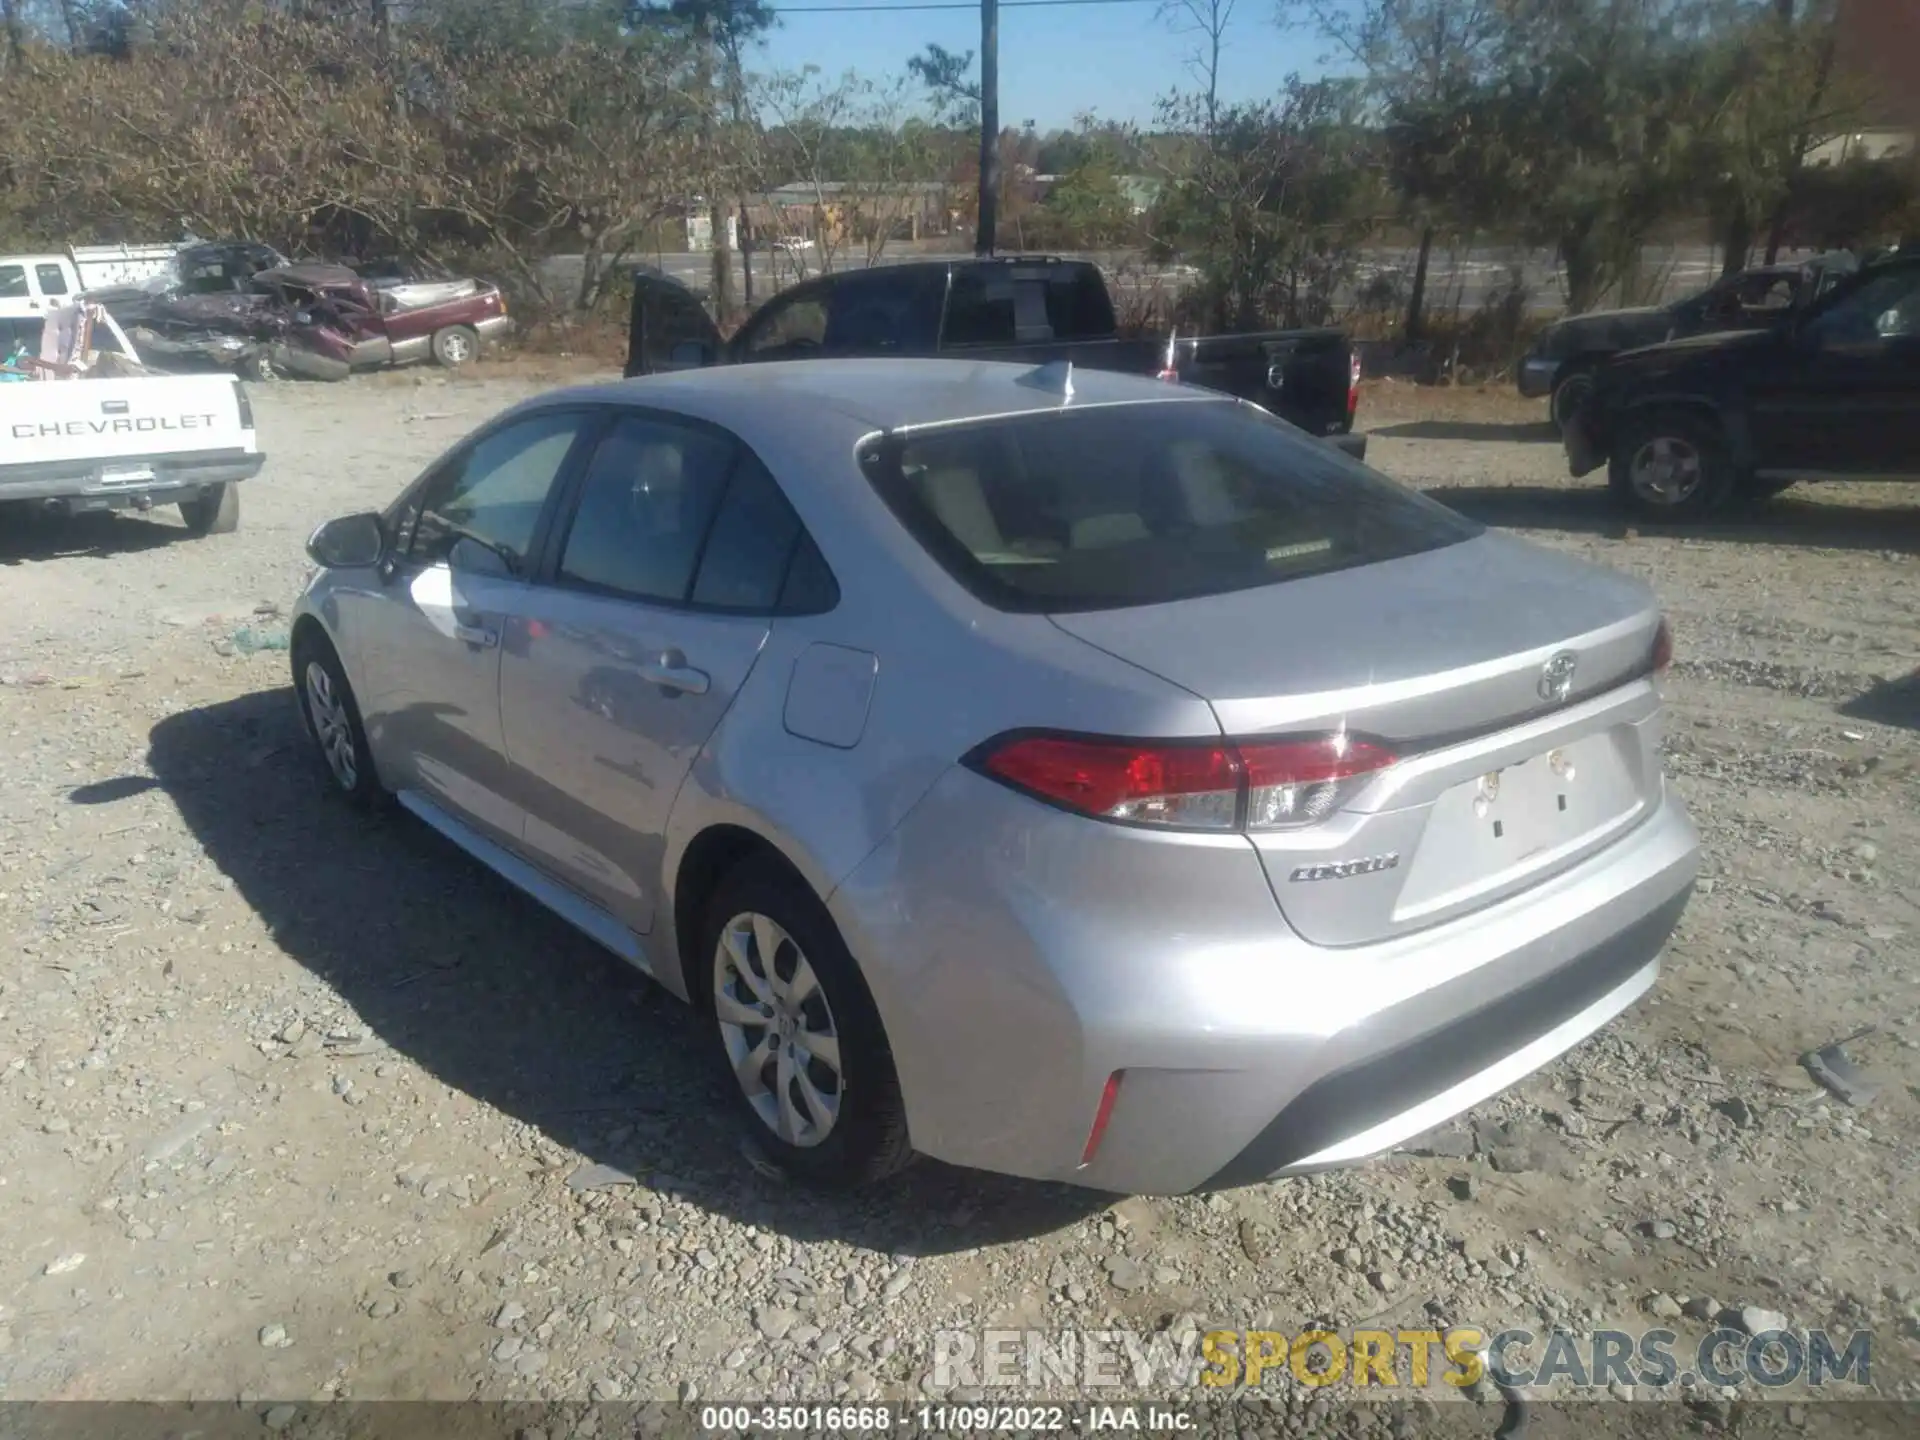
<point x="82" y="429"/>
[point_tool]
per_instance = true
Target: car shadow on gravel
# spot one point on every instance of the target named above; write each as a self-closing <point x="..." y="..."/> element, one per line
<point x="1787" y="520"/>
<point x="1892" y="702"/>
<point x="1538" y="432"/>
<point x="30" y="535"/>
<point x="484" y="990"/>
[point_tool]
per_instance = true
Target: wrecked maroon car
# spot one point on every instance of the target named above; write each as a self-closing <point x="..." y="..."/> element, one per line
<point x="337" y="324"/>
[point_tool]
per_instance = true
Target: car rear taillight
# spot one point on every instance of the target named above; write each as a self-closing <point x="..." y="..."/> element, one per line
<point x="1353" y="385"/>
<point x="1662" y="647"/>
<point x="243" y="404"/>
<point x="1297" y="782"/>
<point x="1207" y="785"/>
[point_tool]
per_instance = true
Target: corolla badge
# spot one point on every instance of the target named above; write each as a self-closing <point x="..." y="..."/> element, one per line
<point x="1347" y="869"/>
<point x="1556" y="676"/>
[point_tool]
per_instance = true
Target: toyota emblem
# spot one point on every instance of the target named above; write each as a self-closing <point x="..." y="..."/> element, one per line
<point x="1556" y="677"/>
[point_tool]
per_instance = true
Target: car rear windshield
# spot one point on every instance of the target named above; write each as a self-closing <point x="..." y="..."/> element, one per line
<point x="1119" y="505"/>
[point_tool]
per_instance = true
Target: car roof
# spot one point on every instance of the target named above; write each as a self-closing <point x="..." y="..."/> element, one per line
<point x="875" y="394"/>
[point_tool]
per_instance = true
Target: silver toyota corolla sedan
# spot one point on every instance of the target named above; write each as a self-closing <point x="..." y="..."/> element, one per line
<point x="1061" y="773"/>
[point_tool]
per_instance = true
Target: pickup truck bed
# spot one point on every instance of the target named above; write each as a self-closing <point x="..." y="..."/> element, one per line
<point x="80" y="439"/>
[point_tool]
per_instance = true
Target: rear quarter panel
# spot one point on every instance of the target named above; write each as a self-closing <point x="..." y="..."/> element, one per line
<point x="949" y="674"/>
<point x="425" y="320"/>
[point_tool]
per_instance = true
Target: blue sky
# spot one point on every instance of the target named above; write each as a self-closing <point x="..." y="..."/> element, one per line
<point x="1113" y="59"/>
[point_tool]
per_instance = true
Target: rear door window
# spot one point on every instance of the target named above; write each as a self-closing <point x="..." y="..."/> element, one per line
<point x="1140" y="504"/>
<point x="684" y="515"/>
<point x="51" y="279"/>
<point x="13" y="282"/>
<point x="884" y="310"/>
<point x="646" y="505"/>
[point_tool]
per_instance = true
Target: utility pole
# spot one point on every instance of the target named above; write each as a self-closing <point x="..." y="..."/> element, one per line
<point x="989" y="125"/>
<point x="705" y="57"/>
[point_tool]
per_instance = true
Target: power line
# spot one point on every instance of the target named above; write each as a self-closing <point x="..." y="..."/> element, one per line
<point x="939" y="5"/>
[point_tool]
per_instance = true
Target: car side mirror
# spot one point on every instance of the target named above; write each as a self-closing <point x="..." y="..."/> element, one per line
<point x="690" y="355"/>
<point x="349" y="542"/>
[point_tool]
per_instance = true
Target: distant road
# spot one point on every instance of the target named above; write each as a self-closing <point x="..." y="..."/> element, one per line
<point x="1465" y="281"/>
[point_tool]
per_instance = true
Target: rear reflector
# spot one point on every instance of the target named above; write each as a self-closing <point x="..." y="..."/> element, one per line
<point x="1100" y="1118"/>
<point x="1224" y="785"/>
<point x="1353" y="385"/>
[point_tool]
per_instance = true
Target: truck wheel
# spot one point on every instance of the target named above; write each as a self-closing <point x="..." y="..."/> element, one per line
<point x="1569" y="394"/>
<point x="214" y="511"/>
<point x="455" y="346"/>
<point x="1671" y="465"/>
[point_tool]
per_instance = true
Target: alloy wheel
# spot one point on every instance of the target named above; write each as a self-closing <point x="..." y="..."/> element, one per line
<point x="778" y="1029"/>
<point x="332" y="726"/>
<point x="1665" y="471"/>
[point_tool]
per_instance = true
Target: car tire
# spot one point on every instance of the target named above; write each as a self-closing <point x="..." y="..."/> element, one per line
<point x="331" y="717"/>
<point x="857" y="1134"/>
<point x="455" y="346"/>
<point x="1569" y="393"/>
<point x="1671" y="465"/>
<point x="214" y="511"/>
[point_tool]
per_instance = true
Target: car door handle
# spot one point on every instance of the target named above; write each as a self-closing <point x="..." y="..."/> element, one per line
<point x="670" y="672"/>
<point x="479" y="635"/>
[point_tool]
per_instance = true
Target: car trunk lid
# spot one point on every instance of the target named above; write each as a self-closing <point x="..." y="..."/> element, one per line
<point x="1515" y="762"/>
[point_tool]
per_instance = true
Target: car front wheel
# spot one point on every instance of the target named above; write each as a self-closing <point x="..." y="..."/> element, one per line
<point x="1671" y="465"/>
<point x="806" y="1056"/>
<point x="333" y="724"/>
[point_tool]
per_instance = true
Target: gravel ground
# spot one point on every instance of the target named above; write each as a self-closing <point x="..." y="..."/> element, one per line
<point x="299" y="1105"/>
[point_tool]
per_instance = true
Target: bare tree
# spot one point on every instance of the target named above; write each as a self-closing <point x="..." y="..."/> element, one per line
<point x="592" y="146"/>
<point x="1207" y="21"/>
<point x="16" y="32"/>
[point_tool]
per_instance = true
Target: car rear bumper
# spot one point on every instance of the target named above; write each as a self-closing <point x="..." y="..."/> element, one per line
<point x="495" y="328"/>
<point x="1536" y="376"/>
<point x="105" y="484"/>
<point x="1021" y="956"/>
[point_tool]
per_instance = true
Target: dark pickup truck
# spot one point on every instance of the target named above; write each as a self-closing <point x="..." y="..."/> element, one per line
<point x="1019" y="308"/>
<point x="1566" y="353"/>
<point x="1827" y="393"/>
